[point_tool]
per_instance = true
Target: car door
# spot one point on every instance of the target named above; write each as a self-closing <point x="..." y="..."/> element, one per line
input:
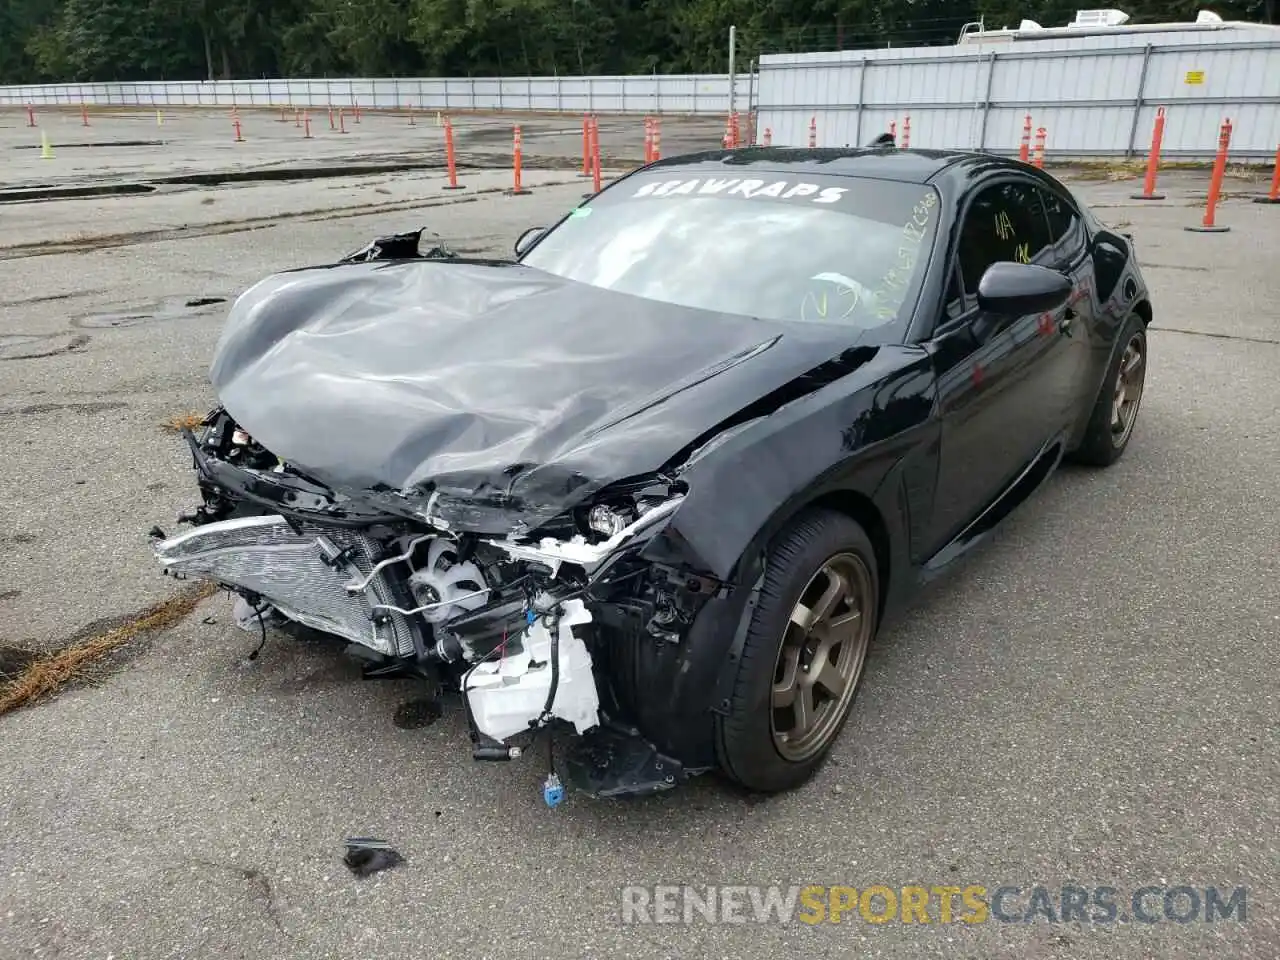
<point x="1077" y="320"/>
<point x="995" y="409"/>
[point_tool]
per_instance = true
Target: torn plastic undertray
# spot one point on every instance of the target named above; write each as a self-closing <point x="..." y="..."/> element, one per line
<point x="615" y="761"/>
<point x="367" y="855"/>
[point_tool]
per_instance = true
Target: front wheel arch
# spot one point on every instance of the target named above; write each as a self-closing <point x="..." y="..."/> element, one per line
<point x="746" y="742"/>
<point x="854" y="504"/>
<point x="859" y="508"/>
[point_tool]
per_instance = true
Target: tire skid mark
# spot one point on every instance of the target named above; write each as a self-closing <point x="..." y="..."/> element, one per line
<point x="35" y="346"/>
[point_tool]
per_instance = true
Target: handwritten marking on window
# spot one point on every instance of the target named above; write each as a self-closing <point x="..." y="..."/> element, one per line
<point x="1020" y="253"/>
<point x="895" y="280"/>
<point x="1004" y="226"/>
<point x="920" y="212"/>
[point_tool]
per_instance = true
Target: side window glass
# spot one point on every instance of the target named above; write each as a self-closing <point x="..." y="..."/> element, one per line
<point x="1006" y="222"/>
<point x="1065" y="226"/>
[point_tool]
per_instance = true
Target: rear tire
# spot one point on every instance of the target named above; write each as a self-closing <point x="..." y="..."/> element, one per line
<point x="803" y="658"/>
<point x="1115" y="412"/>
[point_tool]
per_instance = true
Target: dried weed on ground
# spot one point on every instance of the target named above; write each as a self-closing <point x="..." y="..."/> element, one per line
<point x="1106" y="170"/>
<point x="187" y="421"/>
<point x="33" y="677"/>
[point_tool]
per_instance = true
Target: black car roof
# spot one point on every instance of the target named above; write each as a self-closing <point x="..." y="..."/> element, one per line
<point x="882" y="163"/>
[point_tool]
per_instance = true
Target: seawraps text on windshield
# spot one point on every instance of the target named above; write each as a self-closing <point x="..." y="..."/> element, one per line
<point x="750" y="189"/>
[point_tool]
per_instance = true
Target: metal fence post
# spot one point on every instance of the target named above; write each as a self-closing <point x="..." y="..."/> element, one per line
<point x="857" y="121"/>
<point x="1138" y="100"/>
<point x="733" y="76"/>
<point x="986" y="101"/>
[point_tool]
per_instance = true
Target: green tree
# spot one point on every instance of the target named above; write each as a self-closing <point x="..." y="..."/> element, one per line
<point x="208" y="39"/>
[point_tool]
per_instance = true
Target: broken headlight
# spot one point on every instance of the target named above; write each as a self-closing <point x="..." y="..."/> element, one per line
<point x="553" y="552"/>
<point x="609" y="521"/>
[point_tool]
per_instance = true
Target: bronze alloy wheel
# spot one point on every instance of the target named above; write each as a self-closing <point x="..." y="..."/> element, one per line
<point x="1107" y="433"/>
<point x="824" y="646"/>
<point x="1130" y="379"/>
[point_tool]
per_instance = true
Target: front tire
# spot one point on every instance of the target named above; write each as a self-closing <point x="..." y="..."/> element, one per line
<point x="1116" y="410"/>
<point x="803" y="658"/>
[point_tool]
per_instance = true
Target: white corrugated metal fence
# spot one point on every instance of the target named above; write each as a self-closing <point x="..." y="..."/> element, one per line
<point x="684" y="93"/>
<point x="1094" y="97"/>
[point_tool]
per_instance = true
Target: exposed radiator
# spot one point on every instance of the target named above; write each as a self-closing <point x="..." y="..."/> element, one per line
<point x="264" y="555"/>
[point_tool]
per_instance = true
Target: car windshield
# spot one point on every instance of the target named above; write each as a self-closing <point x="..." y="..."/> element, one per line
<point x="778" y="246"/>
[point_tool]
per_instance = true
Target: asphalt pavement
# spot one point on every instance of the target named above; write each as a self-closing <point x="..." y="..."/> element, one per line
<point x="1088" y="701"/>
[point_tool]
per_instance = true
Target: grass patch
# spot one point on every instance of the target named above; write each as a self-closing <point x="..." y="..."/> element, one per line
<point x="1107" y="169"/>
<point x="1253" y="174"/>
<point x="27" y="677"/>
<point x="183" y="421"/>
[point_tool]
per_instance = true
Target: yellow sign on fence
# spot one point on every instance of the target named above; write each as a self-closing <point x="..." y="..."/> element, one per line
<point x="1195" y="77"/>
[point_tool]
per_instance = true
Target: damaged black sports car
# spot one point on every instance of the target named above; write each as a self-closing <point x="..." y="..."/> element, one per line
<point x="657" y="481"/>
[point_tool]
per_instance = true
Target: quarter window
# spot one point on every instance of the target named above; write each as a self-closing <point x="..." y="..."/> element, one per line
<point x="1065" y="227"/>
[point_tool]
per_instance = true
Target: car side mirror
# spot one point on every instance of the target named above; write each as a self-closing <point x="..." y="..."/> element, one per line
<point x="526" y="239"/>
<point x="1010" y="289"/>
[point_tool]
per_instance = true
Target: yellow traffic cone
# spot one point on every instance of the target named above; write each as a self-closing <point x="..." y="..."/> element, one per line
<point x="46" y="148"/>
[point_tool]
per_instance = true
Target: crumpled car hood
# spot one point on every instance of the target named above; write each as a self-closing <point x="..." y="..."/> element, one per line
<point x="489" y="380"/>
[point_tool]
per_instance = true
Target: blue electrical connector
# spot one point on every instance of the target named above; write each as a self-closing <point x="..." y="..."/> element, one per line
<point x="552" y="791"/>
<point x="530" y="616"/>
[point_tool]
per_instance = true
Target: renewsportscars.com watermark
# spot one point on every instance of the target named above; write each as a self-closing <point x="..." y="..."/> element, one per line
<point x="972" y="903"/>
